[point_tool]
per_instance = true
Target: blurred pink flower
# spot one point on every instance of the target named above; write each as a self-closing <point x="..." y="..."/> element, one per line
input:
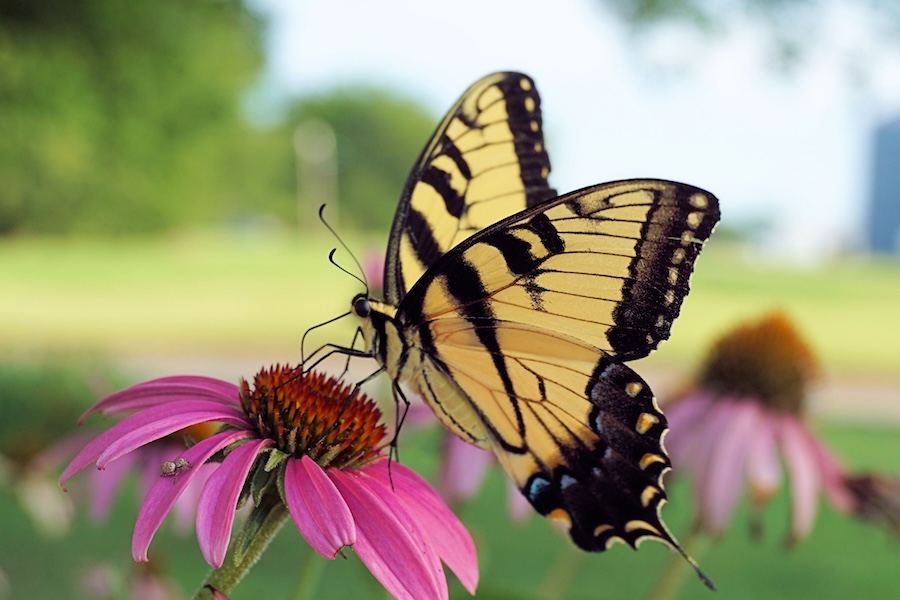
<point x="373" y="271"/>
<point x="305" y="440"/>
<point x="104" y="582"/>
<point x="744" y="417"/>
<point x="463" y="469"/>
<point x="34" y="482"/>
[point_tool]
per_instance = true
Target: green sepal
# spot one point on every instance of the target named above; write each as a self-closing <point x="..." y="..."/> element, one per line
<point x="261" y="481"/>
<point x="252" y="526"/>
<point x="276" y="457"/>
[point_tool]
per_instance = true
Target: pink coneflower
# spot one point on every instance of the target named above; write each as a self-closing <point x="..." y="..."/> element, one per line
<point x="295" y="444"/>
<point x="744" y="417"/>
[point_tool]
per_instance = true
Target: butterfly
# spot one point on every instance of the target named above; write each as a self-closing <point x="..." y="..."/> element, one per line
<point x="511" y="311"/>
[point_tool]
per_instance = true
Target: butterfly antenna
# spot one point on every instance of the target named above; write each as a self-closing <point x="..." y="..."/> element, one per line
<point x="343" y="244"/>
<point x="356" y="277"/>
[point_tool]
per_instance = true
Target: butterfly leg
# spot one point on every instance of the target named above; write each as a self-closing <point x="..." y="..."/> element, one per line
<point x="394" y="453"/>
<point x="356" y="336"/>
<point x="332" y="349"/>
<point x="353" y="391"/>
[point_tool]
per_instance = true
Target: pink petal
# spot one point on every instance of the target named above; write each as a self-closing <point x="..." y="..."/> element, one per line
<point x="686" y="418"/>
<point x="833" y="475"/>
<point x="185" y="508"/>
<point x="800" y="459"/>
<point x="683" y="413"/>
<point x="150" y="457"/>
<point x="166" y="490"/>
<point x="518" y="506"/>
<point x="165" y="421"/>
<point x="318" y="509"/>
<point x="763" y="461"/>
<point x="216" y="594"/>
<point x="174" y="416"/>
<point x="450" y="538"/>
<point x="165" y="390"/>
<point x="696" y="451"/>
<point x="727" y="466"/>
<point x="50" y="457"/>
<point x="215" y="514"/>
<point x="105" y="484"/>
<point x="388" y="544"/>
<point x="463" y="469"/>
<point x="419" y="414"/>
<point x="373" y="267"/>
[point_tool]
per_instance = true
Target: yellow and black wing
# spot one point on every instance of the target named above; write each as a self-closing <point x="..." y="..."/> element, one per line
<point x="608" y="265"/>
<point x="523" y="328"/>
<point x="485" y="162"/>
<point x="578" y="431"/>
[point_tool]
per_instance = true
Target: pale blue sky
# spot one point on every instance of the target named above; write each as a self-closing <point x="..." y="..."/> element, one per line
<point x="797" y="148"/>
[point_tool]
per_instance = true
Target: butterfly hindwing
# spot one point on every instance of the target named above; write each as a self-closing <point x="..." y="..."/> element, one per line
<point x="624" y="467"/>
<point x="578" y="431"/>
<point x="485" y="161"/>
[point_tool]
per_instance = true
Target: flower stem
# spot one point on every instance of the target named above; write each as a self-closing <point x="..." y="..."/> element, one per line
<point x="308" y="580"/>
<point x="677" y="568"/>
<point x="226" y="578"/>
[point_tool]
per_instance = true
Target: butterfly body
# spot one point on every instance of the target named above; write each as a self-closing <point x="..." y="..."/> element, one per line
<point x="515" y="330"/>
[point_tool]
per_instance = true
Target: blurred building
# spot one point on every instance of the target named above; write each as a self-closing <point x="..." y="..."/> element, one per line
<point x="884" y="211"/>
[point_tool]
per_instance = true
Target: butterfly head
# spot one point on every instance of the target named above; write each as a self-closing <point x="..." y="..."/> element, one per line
<point x="376" y="322"/>
<point x="362" y="308"/>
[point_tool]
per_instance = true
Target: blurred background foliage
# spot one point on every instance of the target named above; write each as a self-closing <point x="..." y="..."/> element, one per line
<point x="375" y="149"/>
<point x="124" y="117"/>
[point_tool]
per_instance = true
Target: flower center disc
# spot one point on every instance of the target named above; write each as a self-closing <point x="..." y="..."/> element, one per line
<point x="315" y="415"/>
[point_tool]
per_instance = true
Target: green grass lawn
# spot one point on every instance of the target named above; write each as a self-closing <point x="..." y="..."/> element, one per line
<point x="246" y="295"/>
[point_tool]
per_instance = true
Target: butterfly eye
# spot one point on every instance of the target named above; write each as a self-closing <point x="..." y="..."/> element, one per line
<point x="361" y="307"/>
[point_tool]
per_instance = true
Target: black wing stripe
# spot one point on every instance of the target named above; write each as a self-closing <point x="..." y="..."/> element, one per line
<point x="645" y="292"/>
<point x="421" y="234"/>
<point x="449" y="149"/>
<point x="454" y="202"/>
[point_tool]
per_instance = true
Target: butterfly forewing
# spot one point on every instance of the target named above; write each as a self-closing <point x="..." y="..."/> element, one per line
<point x="485" y="161"/>
<point x="608" y="265"/>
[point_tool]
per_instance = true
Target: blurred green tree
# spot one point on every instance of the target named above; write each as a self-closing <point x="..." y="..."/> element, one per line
<point x="378" y="136"/>
<point x="123" y="115"/>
